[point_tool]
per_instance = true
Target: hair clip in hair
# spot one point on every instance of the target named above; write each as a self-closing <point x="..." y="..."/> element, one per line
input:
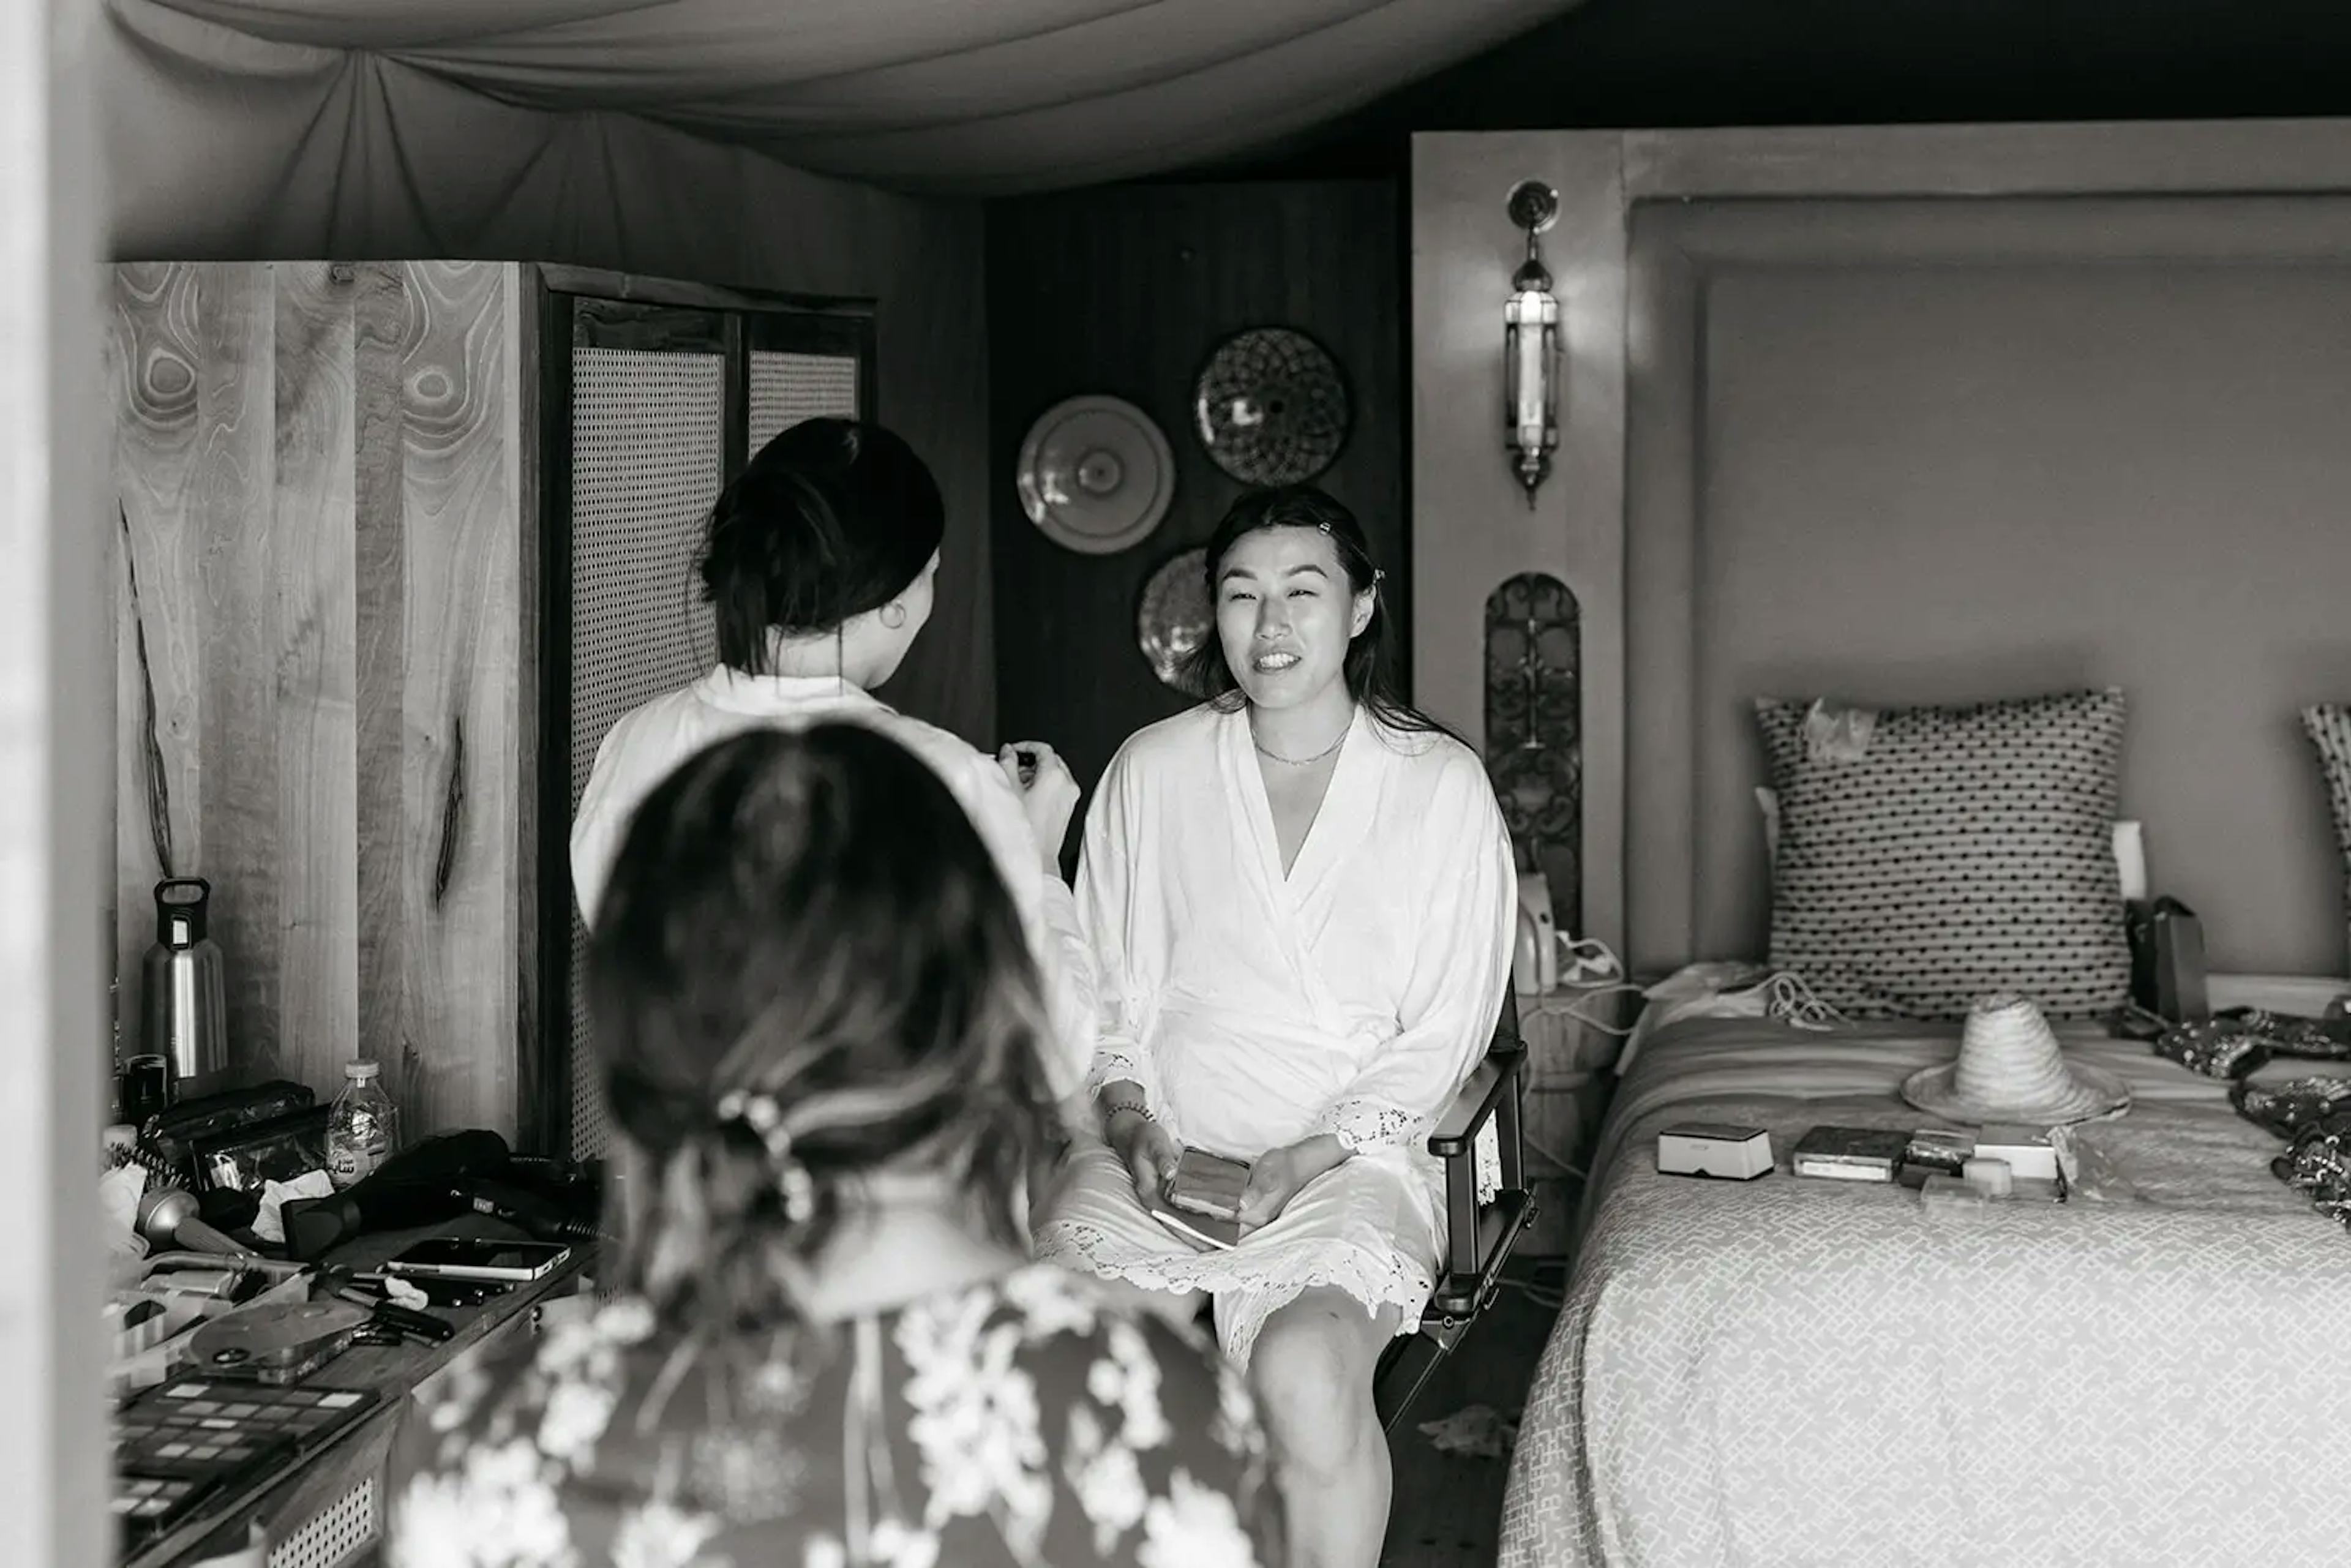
<point x="1324" y="528"/>
<point x="799" y="1191"/>
<point x="758" y="1113"/>
<point x="1378" y="575"/>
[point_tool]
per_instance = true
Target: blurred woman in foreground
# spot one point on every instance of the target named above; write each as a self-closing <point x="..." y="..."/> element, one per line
<point x="820" y="1021"/>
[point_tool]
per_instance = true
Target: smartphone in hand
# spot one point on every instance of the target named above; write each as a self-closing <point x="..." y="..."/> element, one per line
<point x="1209" y="1184"/>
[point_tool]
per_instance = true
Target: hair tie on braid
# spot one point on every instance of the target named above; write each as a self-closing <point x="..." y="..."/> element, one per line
<point x="759" y="1114"/>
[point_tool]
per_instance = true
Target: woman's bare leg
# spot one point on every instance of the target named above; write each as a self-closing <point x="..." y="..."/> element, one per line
<point x="1181" y="1308"/>
<point x="1311" y="1372"/>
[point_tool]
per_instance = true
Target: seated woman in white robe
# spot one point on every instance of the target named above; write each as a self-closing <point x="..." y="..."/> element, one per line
<point x="1300" y="896"/>
<point x="818" y="572"/>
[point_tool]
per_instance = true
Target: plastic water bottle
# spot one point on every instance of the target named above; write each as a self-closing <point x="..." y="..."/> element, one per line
<point x="362" y="1127"/>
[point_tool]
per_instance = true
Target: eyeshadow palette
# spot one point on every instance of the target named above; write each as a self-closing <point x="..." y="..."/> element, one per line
<point x="176" y="1444"/>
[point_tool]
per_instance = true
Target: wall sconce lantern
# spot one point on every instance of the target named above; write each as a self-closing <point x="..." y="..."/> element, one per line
<point x="1531" y="343"/>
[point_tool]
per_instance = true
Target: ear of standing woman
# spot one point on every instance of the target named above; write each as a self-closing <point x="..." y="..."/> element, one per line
<point x="819" y="568"/>
<point x="828" y="1345"/>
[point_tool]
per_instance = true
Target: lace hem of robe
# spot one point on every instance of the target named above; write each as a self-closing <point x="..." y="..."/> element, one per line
<point x="1262" y="1283"/>
<point x="1365" y="1124"/>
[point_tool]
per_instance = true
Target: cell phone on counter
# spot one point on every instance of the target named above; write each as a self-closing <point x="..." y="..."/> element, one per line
<point x="475" y="1257"/>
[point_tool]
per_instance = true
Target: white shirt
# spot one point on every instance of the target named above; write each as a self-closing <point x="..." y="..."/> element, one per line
<point x="651" y="741"/>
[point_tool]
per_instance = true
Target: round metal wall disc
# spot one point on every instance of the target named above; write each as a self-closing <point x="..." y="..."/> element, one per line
<point x="1175" y="617"/>
<point x="1271" y="406"/>
<point x="1095" y="475"/>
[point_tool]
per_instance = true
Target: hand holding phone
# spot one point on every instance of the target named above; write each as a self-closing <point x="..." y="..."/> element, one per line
<point x="1208" y="1184"/>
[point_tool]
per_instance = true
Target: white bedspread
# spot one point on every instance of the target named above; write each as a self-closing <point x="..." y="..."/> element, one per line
<point x="1795" y="1371"/>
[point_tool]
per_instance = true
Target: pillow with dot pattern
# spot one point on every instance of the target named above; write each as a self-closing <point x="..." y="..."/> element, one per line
<point x="2328" y="725"/>
<point x="1930" y="854"/>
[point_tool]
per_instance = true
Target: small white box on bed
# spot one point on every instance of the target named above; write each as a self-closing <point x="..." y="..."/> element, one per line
<point x="2027" y="1151"/>
<point x="1712" y="1149"/>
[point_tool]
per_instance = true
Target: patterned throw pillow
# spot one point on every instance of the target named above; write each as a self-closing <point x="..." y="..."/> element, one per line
<point x="2328" y="726"/>
<point x="1928" y="855"/>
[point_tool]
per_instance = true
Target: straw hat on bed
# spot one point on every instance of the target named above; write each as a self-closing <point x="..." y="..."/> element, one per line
<point x="2010" y="1069"/>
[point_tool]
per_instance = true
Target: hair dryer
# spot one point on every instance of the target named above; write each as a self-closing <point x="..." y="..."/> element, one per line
<point x="418" y="1185"/>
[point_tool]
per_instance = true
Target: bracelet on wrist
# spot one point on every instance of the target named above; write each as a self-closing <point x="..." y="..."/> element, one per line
<point x="1126" y="1107"/>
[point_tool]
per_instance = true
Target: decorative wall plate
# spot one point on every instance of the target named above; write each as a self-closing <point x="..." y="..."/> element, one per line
<point x="1174" y="616"/>
<point x="1271" y="406"/>
<point x="1095" y="475"/>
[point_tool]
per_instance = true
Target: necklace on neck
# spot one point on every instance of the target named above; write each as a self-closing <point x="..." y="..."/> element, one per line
<point x="1302" y="761"/>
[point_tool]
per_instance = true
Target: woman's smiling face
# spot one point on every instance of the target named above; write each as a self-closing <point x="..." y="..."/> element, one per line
<point x="1286" y="613"/>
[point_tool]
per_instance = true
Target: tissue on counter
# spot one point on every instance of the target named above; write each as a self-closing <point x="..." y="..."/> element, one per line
<point x="267" y="1224"/>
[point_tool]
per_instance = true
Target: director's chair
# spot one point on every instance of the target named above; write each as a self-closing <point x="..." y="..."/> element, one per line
<point x="1485" y="1209"/>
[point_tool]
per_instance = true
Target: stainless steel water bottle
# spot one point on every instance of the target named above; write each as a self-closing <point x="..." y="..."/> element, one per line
<point x="186" y="989"/>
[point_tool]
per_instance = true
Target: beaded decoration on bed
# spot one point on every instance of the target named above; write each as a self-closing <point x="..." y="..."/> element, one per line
<point x="2235" y="1041"/>
<point x="2313" y="1115"/>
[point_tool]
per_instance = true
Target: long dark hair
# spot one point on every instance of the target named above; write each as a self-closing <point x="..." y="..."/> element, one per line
<point x="1368" y="668"/>
<point x="831" y="519"/>
<point x="805" y="925"/>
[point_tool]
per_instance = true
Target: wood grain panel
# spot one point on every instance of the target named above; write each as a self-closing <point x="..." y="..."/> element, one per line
<point x="526" y="433"/>
<point x="458" y="846"/>
<point x="311" y="715"/>
<point x="152" y="354"/>
<point x="1127" y="291"/>
<point x="231" y="638"/>
<point x="381" y="329"/>
<point x="320" y="471"/>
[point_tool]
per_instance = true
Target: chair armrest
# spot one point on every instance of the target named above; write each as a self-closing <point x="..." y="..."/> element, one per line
<point x="1457" y="1130"/>
<point x="1478" y="1239"/>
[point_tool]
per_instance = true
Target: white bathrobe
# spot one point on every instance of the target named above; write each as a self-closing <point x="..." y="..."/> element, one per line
<point x="1353" y="997"/>
<point x="651" y="741"/>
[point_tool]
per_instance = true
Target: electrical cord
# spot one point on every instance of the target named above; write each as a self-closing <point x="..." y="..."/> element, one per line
<point x="1595" y="957"/>
<point x="1530" y="1284"/>
<point x="1785" y="996"/>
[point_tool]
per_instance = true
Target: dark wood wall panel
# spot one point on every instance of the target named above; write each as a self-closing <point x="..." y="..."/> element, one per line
<point x="1124" y="292"/>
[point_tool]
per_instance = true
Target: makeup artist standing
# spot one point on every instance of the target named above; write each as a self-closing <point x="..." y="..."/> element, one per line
<point x="820" y="570"/>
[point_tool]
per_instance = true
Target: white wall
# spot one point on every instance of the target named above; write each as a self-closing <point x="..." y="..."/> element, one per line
<point x="56" y="756"/>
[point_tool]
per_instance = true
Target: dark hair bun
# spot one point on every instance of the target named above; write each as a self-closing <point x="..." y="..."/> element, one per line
<point x="833" y="519"/>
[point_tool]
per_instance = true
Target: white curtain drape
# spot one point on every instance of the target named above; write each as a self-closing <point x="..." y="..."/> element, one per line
<point x="971" y="96"/>
<point x="791" y="144"/>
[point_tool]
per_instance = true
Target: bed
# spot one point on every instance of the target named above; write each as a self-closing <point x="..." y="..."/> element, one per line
<point x="1864" y="421"/>
<point x="1794" y="1371"/>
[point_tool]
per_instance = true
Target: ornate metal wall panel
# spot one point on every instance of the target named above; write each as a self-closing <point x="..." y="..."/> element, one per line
<point x="1534" y="730"/>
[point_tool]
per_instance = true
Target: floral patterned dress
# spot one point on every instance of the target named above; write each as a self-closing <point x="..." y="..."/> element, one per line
<point x="1021" y="1421"/>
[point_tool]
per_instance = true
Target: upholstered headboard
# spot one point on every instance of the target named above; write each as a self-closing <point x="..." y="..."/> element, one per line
<point x="1895" y="436"/>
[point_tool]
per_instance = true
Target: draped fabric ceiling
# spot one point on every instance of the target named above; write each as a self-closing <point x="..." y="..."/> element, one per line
<point x="964" y="97"/>
<point x="792" y="144"/>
